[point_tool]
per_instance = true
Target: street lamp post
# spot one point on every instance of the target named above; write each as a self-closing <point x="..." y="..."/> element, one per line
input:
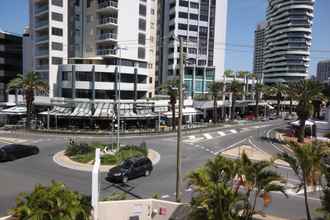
<point x="118" y="82"/>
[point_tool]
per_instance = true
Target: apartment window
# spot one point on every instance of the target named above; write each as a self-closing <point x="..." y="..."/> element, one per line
<point x="57" y="60"/>
<point x="193" y="16"/>
<point x="84" y="76"/>
<point x="194" y="5"/>
<point x="152" y="11"/>
<point x="183" y="27"/>
<point x="57" y="31"/>
<point x="89" y="3"/>
<point x="183" y="15"/>
<point x="193" y="28"/>
<point x="65" y="76"/>
<point x="143" y="10"/>
<point x="142" y="24"/>
<point x="193" y="39"/>
<point x="57" y="16"/>
<point x="183" y="3"/>
<point x="57" y="46"/>
<point x="142" y="39"/>
<point x="141" y="53"/>
<point x="192" y="50"/>
<point x="57" y="3"/>
<point x="150" y="79"/>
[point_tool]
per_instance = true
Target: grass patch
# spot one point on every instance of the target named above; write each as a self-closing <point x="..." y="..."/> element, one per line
<point x="109" y="159"/>
<point x="83" y="158"/>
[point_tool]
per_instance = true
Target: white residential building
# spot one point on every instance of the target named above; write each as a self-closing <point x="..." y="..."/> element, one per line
<point x="202" y="26"/>
<point x="80" y="46"/>
<point x="288" y="40"/>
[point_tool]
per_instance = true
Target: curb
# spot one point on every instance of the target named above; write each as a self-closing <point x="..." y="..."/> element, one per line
<point x="65" y="162"/>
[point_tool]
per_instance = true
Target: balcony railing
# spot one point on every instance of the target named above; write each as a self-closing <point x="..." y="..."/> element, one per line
<point x="107" y="36"/>
<point x="41" y="9"/>
<point x="41" y="23"/>
<point x="41" y="38"/>
<point x="42" y="52"/>
<point x="107" y="4"/>
<point x="42" y="67"/>
<point x="103" y="52"/>
<point x="108" y="20"/>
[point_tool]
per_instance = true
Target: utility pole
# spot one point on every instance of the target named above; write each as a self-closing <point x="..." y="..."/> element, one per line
<point x="178" y="153"/>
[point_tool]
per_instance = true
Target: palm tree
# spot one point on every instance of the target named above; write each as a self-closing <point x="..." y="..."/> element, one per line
<point x="259" y="181"/>
<point x="278" y="90"/>
<point x="171" y="89"/>
<point x="216" y="198"/>
<point x="306" y="91"/>
<point x="229" y="73"/>
<point x="215" y="90"/>
<point x="305" y="162"/>
<point x="236" y="88"/>
<point x="29" y="84"/>
<point x="291" y="96"/>
<point x="326" y="187"/>
<point x="51" y="203"/>
<point x="258" y="90"/>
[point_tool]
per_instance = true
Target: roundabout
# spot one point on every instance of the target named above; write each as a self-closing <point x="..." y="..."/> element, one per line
<point x="64" y="161"/>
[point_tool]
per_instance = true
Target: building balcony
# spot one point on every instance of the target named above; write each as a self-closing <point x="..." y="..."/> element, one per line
<point x="108" y="4"/>
<point x="41" y="24"/>
<point x="42" y="67"/>
<point x="107" y="37"/>
<point x="42" y="52"/>
<point x="106" y="52"/>
<point x="41" y="9"/>
<point x="108" y="21"/>
<point x="41" y="39"/>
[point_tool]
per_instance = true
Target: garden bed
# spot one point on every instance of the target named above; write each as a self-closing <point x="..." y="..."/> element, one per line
<point x="85" y="153"/>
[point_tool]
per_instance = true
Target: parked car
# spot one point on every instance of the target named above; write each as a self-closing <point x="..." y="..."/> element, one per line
<point x="13" y="151"/>
<point x="130" y="168"/>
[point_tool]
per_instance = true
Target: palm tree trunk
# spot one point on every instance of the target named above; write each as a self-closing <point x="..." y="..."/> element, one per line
<point x="29" y="98"/>
<point x="290" y="110"/>
<point x="173" y="116"/>
<point x="278" y="106"/>
<point x="301" y="132"/>
<point x="257" y="105"/>
<point x="306" y="201"/>
<point x="232" y="115"/>
<point x="215" y="111"/>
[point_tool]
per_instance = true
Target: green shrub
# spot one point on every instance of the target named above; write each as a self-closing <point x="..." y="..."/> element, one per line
<point x="108" y="159"/>
<point x="116" y="196"/>
<point x="327" y="135"/>
<point x="78" y="149"/>
<point x="98" y="145"/>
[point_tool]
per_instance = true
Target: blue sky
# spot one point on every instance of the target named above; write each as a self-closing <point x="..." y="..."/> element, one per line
<point x="243" y="15"/>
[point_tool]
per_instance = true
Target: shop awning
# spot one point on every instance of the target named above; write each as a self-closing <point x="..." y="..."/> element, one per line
<point x="16" y="110"/>
<point x="186" y="112"/>
<point x="58" y="111"/>
<point x="103" y="110"/>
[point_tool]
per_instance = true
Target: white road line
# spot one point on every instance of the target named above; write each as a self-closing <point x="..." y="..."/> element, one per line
<point x="231" y="146"/>
<point x="233" y="131"/>
<point x="221" y="133"/>
<point x="255" y="146"/>
<point x="192" y="137"/>
<point x="277" y="148"/>
<point x="207" y="136"/>
<point x="165" y="196"/>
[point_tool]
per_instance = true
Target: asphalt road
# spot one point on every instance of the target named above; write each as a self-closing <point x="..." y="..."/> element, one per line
<point x="23" y="174"/>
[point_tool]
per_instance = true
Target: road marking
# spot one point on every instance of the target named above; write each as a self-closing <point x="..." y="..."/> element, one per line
<point x="207" y="136"/>
<point x="255" y="146"/>
<point x="233" y="131"/>
<point x="277" y="148"/>
<point x="165" y="196"/>
<point x="221" y="133"/>
<point x="231" y="146"/>
<point x="192" y="137"/>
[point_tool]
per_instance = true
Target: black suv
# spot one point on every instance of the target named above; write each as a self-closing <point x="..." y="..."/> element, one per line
<point x="130" y="168"/>
<point x="13" y="151"/>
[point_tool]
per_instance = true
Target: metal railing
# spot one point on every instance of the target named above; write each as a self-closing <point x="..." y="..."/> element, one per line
<point x="41" y="23"/>
<point x="106" y="52"/>
<point x="108" y="20"/>
<point x="107" y="36"/>
<point x="107" y="4"/>
<point x="41" y="9"/>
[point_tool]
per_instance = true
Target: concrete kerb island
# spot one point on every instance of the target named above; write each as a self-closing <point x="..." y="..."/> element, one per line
<point x="62" y="160"/>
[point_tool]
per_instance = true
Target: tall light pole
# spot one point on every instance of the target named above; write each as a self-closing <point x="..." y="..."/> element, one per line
<point x="178" y="153"/>
<point x="118" y="95"/>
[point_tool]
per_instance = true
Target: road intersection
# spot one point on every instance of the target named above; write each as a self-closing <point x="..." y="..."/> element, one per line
<point x="198" y="147"/>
